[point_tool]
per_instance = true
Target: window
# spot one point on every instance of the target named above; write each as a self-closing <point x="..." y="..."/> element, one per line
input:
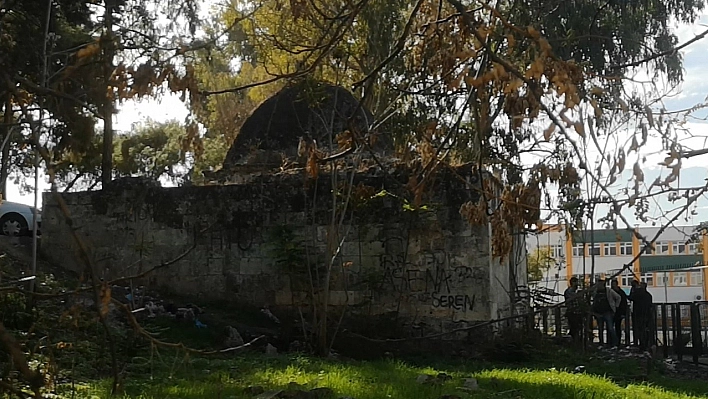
<point x="647" y="278"/>
<point x="578" y="250"/>
<point x="662" y="248"/>
<point x="609" y="249"/>
<point x="594" y="250"/>
<point x="556" y="251"/>
<point x="648" y="250"/>
<point x="626" y="248"/>
<point x="680" y="279"/>
<point x="697" y="278"/>
<point x="694" y="248"/>
<point x="678" y="248"/>
<point x="662" y="279"/>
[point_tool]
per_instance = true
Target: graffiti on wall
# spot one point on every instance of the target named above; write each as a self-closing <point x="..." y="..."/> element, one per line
<point x="435" y="278"/>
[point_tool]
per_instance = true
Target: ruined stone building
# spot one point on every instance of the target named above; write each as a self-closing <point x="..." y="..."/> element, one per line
<point x="260" y="242"/>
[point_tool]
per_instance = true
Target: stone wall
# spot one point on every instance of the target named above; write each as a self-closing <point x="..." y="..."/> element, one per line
<point x="251" y="243"/>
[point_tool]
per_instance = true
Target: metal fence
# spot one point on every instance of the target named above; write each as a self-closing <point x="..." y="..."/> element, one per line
<point x="677" y="329"/>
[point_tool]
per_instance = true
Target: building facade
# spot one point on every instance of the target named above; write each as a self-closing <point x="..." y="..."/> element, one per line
<point x="673" y="269"/>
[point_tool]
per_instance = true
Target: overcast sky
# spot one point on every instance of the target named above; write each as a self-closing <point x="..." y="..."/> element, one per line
<point x="693" y="91"/>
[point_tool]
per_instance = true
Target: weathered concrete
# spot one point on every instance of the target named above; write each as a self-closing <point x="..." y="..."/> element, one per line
<point x="253" y="242"/>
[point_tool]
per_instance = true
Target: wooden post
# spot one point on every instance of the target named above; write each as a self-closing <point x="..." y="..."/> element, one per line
<point x="664" y="330"/>
<point x="676" y="326"/>
<point x="696" y="341"/>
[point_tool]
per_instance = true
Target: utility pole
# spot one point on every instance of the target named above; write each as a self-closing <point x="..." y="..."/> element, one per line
<point x="592" y="243"/>
<point x="37" y="133"/>
<point x="7" y="131"/>
<point x="108" y="54"/>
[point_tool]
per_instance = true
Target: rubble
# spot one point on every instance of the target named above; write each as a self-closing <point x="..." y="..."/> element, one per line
<point x="254" y="390"/>
<point x="297" y="393"/>
<point x="270" y="350"/>
<point x="233" y="337"/>
<point x="470" y="384"/>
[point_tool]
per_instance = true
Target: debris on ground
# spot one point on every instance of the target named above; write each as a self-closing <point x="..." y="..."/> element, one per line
<point x="470" y="384"/>
<point x="297" y="393"/>
<point x="270" y="350"/>
<point x="233" y="337"/>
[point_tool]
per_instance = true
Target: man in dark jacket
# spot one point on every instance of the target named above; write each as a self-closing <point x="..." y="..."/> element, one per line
<point x="643" y="310"/>
<point x="574" y="310"/>
<point x="621" y="312"/>
<point x="605" y="302"/>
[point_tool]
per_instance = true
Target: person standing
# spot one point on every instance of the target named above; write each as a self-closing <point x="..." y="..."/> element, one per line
<point x="643" y="307"/>
<point x="604" y="305"/>
<point x="621" y="312"/>
<point x="573" y="309"/>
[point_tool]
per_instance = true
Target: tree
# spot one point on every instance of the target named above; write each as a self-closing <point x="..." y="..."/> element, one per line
<point x="29" y="80"/>
<point x="539" y="261"/>
<point x="151" y="149"/>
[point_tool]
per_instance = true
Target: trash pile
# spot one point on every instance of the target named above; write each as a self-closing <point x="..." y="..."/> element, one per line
<point x="649" y="359"/>
<point x="145" y="306"/>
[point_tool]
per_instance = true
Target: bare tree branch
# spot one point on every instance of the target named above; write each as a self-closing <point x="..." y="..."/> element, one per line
<point x="663" y="53"/>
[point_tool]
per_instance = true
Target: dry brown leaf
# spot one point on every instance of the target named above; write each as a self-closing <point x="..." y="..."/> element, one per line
<point x="580" y="128"/>
<point x="568" y="122"/>
<point x="533" y="32"/>
<point x="623" y="105"/>
<point x="596" y="90"/>
<point x="88" y="51"/>
<point x="635" y="145"/>
<point x="667" y="161"/>
<point x="645" y="134"/>
<point x="549" y="131"/>
<point x="650" y="115"/>
<point x="638" y="173"/>
<point x="597" y="108"/>
<point x="621" y="159"/>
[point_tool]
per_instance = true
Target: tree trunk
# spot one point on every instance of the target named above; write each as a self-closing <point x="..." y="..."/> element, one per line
<point x="108" y="53"/>
<point x="6" y="130"/>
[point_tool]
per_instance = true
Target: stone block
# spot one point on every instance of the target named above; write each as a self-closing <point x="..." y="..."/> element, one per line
<point x="371" y="248"/>
<point x="276" y="218"/>
<point x="284" y="298"/>
<point x="369" y="233"/>
<point x="251" y="266"/>
<point x="350" y="248"/>
<point x="295" y="218"/>
<point x="350" y="298"/>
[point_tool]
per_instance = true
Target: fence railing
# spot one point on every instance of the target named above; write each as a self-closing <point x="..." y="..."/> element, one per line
<point x="677" y="329"/>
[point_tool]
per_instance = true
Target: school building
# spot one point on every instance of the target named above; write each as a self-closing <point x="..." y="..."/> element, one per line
<point x="673" y="269"/>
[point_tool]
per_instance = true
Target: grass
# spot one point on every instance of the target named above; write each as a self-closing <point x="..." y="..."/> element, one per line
<point x="198" y="378"/>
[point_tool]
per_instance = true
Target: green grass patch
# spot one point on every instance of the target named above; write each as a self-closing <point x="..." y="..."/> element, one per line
<point x="197" y="378"/>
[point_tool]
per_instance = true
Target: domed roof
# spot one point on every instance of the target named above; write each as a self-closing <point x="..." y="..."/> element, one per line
<point x="311" y="110"/>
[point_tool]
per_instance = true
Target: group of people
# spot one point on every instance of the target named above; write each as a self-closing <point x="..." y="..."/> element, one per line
<point x="610" y="307"/>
